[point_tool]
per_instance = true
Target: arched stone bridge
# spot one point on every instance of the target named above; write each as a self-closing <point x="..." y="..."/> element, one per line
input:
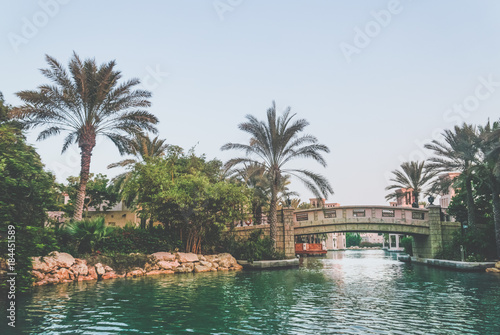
<point x="425" y="225"/>
<point x="369" y="219"/>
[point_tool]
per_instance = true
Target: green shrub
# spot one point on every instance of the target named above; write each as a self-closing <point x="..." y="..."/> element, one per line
<point x="407" y="243"/>
<point x="87" y="233"/>
<point x="257" y="247"/>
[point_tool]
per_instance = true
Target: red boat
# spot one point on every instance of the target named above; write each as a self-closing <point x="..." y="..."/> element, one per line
<point x="310" y="249"/>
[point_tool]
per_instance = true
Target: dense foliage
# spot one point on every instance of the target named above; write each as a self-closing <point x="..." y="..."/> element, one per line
<point x="26" y="193"/>
<point x="352" y="240"/>
<point x="187" y="194"/>
<point x="256" y="248"/>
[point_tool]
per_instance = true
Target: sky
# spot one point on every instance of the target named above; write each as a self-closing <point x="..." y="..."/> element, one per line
<point x="376" y="80"/>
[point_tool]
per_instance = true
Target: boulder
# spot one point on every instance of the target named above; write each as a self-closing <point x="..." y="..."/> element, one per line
<point x="168" y="265"/>
<point x="158" y="272"/>
<point x="37" y="275"/>
<point x="63" y="274"/>
<point x="53" y="261"/>
<point x="207" y="264"/>
<point x="151" y="267"/>
<point x="92" y="273"/>
<point x="99" y="269"/>
<point x="164" y="256"/>
<point x="186" y="257"/>
<point x="80" y="267"/>
<point x="236" y="267"/>
<point x="62" y="259"/>
<point x="497" y="265"/>
<point x="226" y="260"/>
<point x="109" y="275"/>
<point x="496" y="270"/>
<point x="108" y="269"/>
<point x="201" y="258"/>
<point x="185" y="268"/>
<point x="136" y="272"/>
<point x="201" y="268"/>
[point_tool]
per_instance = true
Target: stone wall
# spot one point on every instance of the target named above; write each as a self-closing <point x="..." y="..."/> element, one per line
<point x="285" y="238"/>
<point x="441" y="233"/>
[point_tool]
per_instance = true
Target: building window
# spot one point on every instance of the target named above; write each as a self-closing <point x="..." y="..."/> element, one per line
<point x="358" y="213"/>
<point x="330" y="214"/>
<point x="418" y="216"/>
<point x="302" y="216"/>
<point x="388" y="213"/>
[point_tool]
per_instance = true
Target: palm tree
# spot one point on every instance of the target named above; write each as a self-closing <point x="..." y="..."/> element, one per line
<point x="458" y="153"/>
<point x="86" y="102"/>
<point x="488" y="168"/>
<point x="274" y="144"/>
<point x="142" y="147"/>
<point x="413" y="177"/>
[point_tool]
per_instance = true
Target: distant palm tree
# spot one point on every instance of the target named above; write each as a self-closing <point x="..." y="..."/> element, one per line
<point x="458" y="153"/>
<point x="142" y="147"/>
<point x="488" y="169"/>
<point x="413" y="177"/>
<point x="87" y="102"/>
<point x="274" y="143"/>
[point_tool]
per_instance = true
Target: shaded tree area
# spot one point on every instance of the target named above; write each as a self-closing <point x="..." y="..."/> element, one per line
<point x="188" y="196"/>
<point x="26" y="193"/>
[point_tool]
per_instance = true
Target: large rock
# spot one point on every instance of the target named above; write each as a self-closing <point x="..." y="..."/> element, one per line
<point x="99" y="269"/>
<point x="158" y="272"/>
<point x="185" y="268"/>
<point x="63" y="274"/>
<point x="109" y="275"/>
<point x="497" y="265"/>
<point x="164" y="256"/>
<point x="202" y="268"/>
<point x="136" y="272"/>
<point x="225" y="260"/>
<point x="80" y="267"/>
<point x="53" y="261"/>
<point x="496" y="270"/>
<point x="92" y="273"/>
<point x="188" y="257"/>
<point x="37" y="275"/>
<point x="168" y="265"/>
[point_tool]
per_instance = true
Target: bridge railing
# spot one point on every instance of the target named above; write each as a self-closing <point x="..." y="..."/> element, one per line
<point x="403" y="215"/>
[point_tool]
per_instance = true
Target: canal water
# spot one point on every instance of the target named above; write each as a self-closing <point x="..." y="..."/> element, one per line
<point x="348" y="292"/>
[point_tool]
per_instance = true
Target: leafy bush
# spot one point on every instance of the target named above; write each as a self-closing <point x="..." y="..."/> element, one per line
<point x="257" y="247"/>
<point x="477" y="241"/>
<point x="87" y="233"/>
<point x="133" y="239"/>
<point x="407" y="243"/>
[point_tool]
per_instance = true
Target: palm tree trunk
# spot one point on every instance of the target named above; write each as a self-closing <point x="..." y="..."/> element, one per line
<point x="273" y="229"/>
<point x="86" y="153"/>
<point x="471" y="208"/>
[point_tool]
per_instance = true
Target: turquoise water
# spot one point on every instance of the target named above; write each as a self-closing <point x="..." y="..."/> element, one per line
<point x="351" y="292"/>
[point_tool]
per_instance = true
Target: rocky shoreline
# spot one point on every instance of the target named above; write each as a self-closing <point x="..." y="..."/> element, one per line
<point x="63" y="268"/>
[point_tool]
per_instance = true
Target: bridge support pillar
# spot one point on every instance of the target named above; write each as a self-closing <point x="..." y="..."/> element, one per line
<point x="286" y="238"/>
<point x="439" y="233"/>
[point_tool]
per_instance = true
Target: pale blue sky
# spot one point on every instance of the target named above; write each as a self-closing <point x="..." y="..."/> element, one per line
<point x="374" y="109"/>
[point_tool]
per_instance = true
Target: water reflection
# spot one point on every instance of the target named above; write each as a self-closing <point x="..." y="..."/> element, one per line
<point x="352" y="292"/>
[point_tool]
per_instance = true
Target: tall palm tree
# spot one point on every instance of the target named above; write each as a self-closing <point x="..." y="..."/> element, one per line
<point x="87" y="102"/>
<point x="412" y="176"/>
<point x="458" y="153"/>
<point x="274" y="143"/>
